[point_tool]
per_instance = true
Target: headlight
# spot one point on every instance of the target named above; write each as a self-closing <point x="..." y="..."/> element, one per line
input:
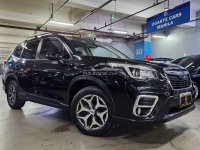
<point x="137" y="71"/>
<point x="143" y="73"/>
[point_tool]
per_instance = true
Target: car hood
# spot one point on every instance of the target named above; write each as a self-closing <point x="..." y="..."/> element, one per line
<point x="102" y="61"/>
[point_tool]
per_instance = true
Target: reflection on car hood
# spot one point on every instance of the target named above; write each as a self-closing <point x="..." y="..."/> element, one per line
<point x="161" y="67"/>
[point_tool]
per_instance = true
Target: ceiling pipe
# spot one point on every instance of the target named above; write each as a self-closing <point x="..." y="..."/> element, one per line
<point x="114" y="35"/>
<point x="88" y="30"/>
<point x="52" y="14"/>
<point x="132" y="14"/>
<point x="33" y="29"/>
<point x="93" y="11"/>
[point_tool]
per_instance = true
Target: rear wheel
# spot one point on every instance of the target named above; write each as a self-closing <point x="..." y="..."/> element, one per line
<point x="12" y="96"/>
<point x="91" y="112"/>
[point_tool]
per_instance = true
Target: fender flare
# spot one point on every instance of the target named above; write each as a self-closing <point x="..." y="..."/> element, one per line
<point x="97" y="81"/>
<point x="10" y="75"/>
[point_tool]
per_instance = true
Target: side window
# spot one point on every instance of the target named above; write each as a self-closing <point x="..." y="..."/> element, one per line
<point x="53" y="45"/>
<point x="30" y="50"/>
<point x="18" y="50"/>
<point x="102" y="52"/>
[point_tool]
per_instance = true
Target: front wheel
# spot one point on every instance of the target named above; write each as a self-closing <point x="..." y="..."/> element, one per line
<point x="91" y="112"/>
<point x="12" y="96"/>
<point x="196" y="88"/>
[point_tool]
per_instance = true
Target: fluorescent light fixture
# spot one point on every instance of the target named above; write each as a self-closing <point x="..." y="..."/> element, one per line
<point x="61" y="23"/>
<point x="119" y="32"/>
<point x="159" y="36"/>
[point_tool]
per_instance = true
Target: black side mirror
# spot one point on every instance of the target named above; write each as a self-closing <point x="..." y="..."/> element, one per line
<point x="53" y="56"/>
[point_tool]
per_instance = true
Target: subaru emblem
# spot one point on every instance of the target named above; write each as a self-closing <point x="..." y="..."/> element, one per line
<point x="181" y="75"/>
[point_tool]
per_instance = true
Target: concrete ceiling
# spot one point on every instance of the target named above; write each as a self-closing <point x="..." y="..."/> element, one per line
<point x="37" y="11"/>
<point x="131" y="6"/>
<point x="32" y="13"/>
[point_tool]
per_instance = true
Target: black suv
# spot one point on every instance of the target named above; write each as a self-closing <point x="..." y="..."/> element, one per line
<point x="192" y="64"/>
<point x="97" y="83"/>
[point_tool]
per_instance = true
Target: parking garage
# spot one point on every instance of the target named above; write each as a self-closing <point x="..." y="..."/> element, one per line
<point x="99" y="75"/>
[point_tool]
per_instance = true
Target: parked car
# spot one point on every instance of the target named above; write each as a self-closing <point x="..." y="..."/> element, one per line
<point x="97" y="83"/>
<point x="162" y="60"/>
<point x="192" y="64"/>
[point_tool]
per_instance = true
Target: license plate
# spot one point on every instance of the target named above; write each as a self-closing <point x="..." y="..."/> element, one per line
<point x="185" y="99"/>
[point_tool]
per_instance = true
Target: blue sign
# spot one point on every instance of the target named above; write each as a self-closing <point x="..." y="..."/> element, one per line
<point x="139" y="50"/>
<point x="142" y="49"/>
<point x="170" y="18"/>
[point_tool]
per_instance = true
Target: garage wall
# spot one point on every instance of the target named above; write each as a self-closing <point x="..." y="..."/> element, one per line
<point x="125" y="47"/>
<point x="4" y="55"/>
<point x="180" y="42"/>
<point x="0" y="69"/>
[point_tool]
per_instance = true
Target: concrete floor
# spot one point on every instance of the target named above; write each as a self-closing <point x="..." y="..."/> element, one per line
<point x="38" y="127"/>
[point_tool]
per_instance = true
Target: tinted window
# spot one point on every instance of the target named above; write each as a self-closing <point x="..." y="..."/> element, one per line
<point x="18" y="50"/>
<point x="83" y="47"/>
<point x="186" y="61"/>
<point x="52" y="45"/>
<point x="30" y="50"/>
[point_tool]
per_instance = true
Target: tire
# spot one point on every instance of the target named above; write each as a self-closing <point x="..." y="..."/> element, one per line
<point x="13" y="96"/>
<point x="91" y="112"/>
<point x="196" y="87"/>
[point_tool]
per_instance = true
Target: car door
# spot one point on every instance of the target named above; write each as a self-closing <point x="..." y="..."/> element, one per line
<point x="52" y="79"/>
<point x="25" y="66"/>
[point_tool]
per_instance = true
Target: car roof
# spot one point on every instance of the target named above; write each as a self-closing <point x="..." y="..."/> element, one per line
<point x="57" y="35"/>
<point x="42" y="36"/>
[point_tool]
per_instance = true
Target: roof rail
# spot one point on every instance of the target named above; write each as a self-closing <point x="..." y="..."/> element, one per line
<point x="40" y="35"/>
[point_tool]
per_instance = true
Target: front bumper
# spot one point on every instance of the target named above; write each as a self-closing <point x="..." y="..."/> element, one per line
<point x="167" y="107"/>
<point x="163" y="119"/>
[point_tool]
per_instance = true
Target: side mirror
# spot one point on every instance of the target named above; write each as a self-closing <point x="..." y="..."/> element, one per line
<point x="53" y="56"/>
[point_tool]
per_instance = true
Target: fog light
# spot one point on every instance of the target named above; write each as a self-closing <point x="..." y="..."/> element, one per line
<point x="144" y="105"/>
<point x="146" y="101"/>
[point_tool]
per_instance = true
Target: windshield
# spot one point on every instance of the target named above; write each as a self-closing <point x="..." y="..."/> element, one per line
<point x="186" y="61"/>
<point x="83" y="47"/>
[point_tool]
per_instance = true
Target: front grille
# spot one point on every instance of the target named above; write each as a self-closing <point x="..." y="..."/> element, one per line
<point x="178" y="82"/>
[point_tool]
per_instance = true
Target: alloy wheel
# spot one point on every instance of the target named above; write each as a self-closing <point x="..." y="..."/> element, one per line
<point x="92" y="112"/>
<point x="196" y="91"/>
<point x="11" y="94"/>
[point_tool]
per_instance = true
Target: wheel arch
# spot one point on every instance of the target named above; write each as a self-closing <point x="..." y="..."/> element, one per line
<point x="10" y="77"/>
<point x="80" y="82"/>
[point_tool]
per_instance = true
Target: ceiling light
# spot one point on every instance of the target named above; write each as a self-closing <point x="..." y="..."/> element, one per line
<point x="119" y="32"/>
<point x="113" y="16"/>
<point x="159" y="36"/>
<point x="61" y="23"/>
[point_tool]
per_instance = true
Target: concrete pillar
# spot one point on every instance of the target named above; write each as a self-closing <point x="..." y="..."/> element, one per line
<point x="198" y="15"/>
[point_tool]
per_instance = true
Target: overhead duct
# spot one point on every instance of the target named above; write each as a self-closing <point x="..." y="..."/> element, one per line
<point x="113" y="35"/>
